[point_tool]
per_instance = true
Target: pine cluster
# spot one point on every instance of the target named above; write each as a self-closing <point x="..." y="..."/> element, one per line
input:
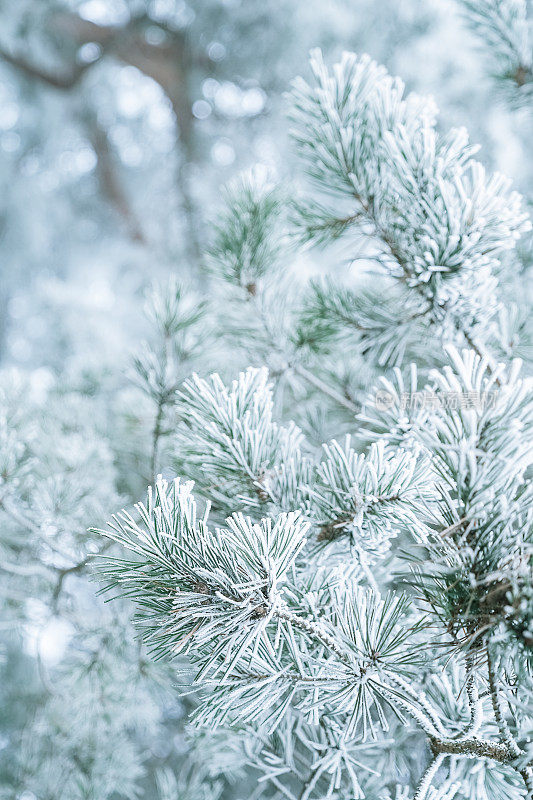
<point x="359" y="615"/>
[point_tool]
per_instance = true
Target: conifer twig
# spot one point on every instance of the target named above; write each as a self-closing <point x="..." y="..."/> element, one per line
<point x="427" y="778"/>
<point x="526" y="772"/>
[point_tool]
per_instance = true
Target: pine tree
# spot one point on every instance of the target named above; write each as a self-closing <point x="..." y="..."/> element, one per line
<point x="358" y="615"/>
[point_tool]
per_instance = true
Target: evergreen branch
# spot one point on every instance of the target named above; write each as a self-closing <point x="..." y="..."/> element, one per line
<point x="316" y="632"/>
<point x="421" y="195"/>
<point x="497" y="708"/>
<point x="474" y="704"/>
<point x="426" y="780"/>
<point x="466" y="746"/>
<point x="420" y="698"/>
<point x="423" y="720"/>
<point x="472" y="746"/>
<point x="526" y="772"/>
<point x="287" y="648"/>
